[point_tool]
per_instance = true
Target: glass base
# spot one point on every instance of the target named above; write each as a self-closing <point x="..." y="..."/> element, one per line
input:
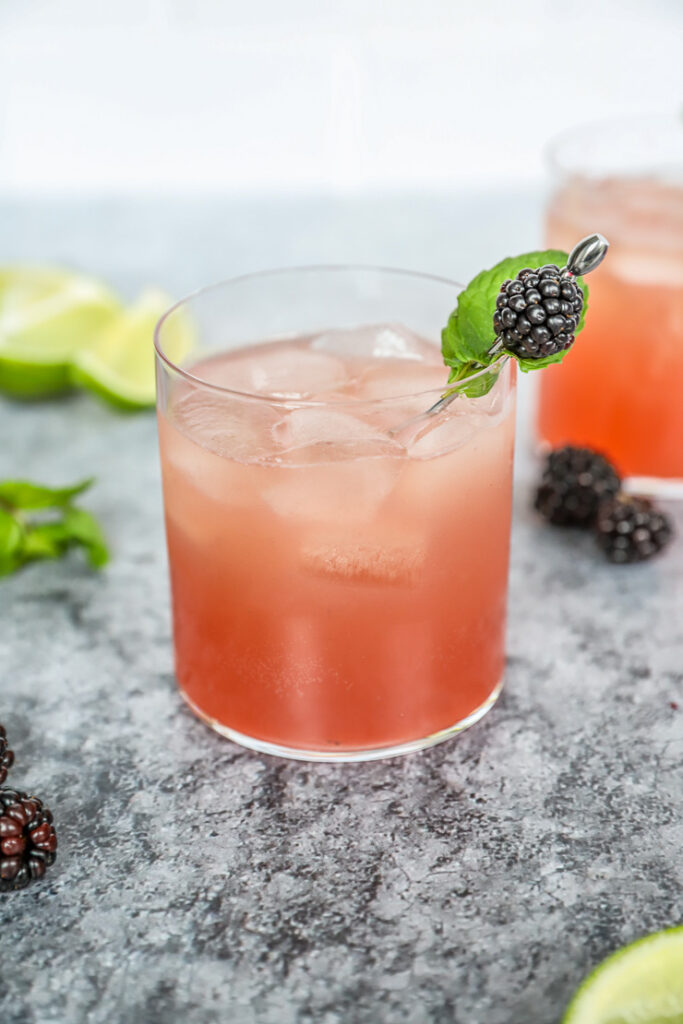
<point x="664" y="487"/>
<point x="341" y="756"/>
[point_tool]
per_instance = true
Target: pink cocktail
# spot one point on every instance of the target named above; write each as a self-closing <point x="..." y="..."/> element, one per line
<point x="338" y="556"/>
<point x="621" y="390"/>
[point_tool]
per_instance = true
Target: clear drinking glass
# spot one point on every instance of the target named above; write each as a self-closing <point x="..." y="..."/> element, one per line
<point x="621" y="389"/>
<point x="338" y="564"/>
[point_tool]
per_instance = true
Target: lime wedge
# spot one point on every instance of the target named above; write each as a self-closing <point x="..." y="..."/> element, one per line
<point x="45" y="315"/>
<point x="640" y="984"/>
<point x="119" y="364"/>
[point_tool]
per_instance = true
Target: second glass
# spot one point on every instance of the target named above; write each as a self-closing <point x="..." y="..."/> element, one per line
<point x="621" y="390"/>
<point x="338" y="556"/>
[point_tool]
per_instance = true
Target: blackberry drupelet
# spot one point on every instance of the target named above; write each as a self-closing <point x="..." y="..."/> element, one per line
<point x="6" y="756"/>
<point x="574" y="482"/>
<point x="538" y="312"/>
<point x="631" y="529"/>
<point x="27" y="839"/>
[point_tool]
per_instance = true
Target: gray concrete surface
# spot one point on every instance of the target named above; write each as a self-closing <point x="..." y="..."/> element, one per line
<point x="475" y="883"/>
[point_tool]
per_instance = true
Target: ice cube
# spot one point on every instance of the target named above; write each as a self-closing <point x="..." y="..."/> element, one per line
<point x="491" y="404"/>
<point x="443" y="433"/>
<point x="291" y="372"/>
<point x="234" y="428"/>
<point x="376" y="341"/>
<point x="396" y="378"/>
<point x="453" y="492"/>
<point x="307" y="426"/>
<point x="455" y="425"/>
<point x="349" y="490"/>
<point x="194" y="469"/>
<point x="380" y="557"/>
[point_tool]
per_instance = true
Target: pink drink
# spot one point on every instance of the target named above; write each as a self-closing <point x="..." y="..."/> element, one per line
<point x="619" y="390"/>
<point x="338" y="558"/>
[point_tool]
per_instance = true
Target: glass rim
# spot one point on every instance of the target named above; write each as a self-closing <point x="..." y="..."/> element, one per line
<point x="197" y="381"/>
<point x="553" y="151"/>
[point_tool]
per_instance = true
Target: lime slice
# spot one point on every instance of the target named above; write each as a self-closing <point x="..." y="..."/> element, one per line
<point x="45" y="315"/>
<point x="640" y="984"/>
<point x="119" y="364"/>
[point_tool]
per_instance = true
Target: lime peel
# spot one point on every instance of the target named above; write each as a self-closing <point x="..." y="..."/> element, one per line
<point x="119" y="364"/>
<point x="639" y="984"/>
<point x="45" y="315"/>
<point x="60" y="329"/>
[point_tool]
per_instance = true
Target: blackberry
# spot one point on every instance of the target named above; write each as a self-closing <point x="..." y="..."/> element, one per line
<point x="574" y="482"/>
<point x="538" y="312"/>
<point x="27" y="839"/>
<point x="6" y="756"/>
<point x="631" y="529"/>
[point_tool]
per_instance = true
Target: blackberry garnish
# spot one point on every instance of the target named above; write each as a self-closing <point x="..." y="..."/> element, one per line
<point x="574" y="482"/>
<point x="6" y="756"/>
<point x="537" y="313"/>
<point x="631" y="529"/>
<point x="27" y="839"/>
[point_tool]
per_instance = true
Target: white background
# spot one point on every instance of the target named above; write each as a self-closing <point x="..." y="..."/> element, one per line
<point x="354" y="95"/>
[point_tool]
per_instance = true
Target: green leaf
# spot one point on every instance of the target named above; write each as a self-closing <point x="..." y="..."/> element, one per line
<point x="44" y="540"/>
<point x="10" y="533"/>
<point x="11" y="540"/>
<point x="21" y="494"/>
<point x="82" y="528"/>
<point x="527" y="365"/>
<point x="470" y="381"/>
<point x="57" y="526"/>
<point x="469" y="334"/>
<point x="10" y="564"/>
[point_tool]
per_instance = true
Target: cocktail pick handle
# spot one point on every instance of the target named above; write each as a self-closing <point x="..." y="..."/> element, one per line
<point x="587" y="255"/>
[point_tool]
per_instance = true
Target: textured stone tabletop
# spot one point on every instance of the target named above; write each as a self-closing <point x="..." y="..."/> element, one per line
<point x="475" y="883"/>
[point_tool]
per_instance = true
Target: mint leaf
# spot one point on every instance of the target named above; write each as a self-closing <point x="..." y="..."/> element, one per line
<point x="57" y="527"/>
<point x="10" y="533"/>
<point x="11" y="536"/>
<point x="469" y="334"/>
<point x="527" y="365"/>
<point x="21" y="494"/>
<point x="78" y="528"/>
<point x="44" y="540"/>
<point x="82" y="528"/>
<point x="469" y="380"/>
